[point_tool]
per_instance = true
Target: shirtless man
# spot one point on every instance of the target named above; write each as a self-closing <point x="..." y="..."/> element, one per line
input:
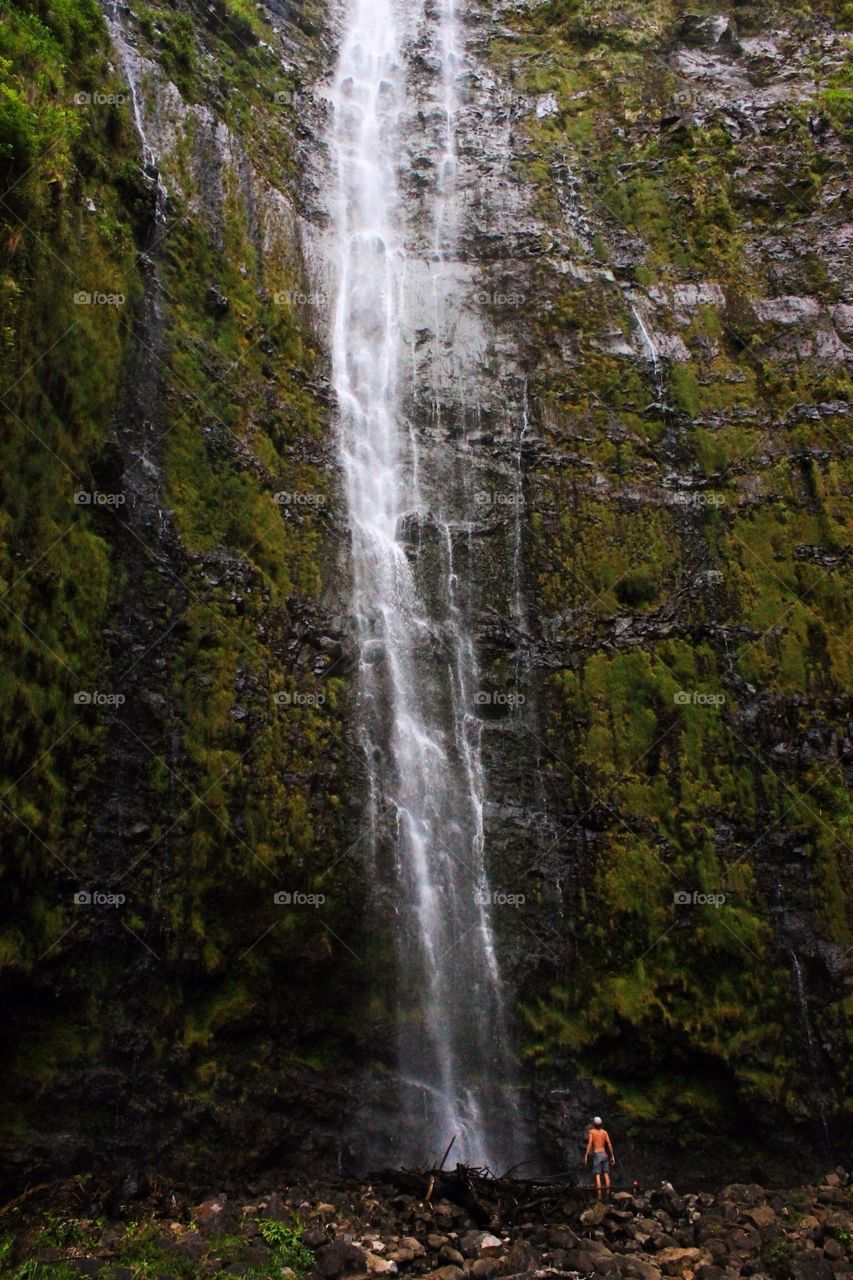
<point x="600" y="1148"/>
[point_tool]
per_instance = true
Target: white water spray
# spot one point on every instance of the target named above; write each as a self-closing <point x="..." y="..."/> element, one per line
<point x="654" y="360"/>
<point x="134" y="68"/>
<point x="418" y="673"/>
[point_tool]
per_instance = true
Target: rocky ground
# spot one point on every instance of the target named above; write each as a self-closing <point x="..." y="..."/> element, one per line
<point x="349" y="1230"/>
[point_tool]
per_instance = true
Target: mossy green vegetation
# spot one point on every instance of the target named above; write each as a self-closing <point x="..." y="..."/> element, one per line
<point x="287" y="1245"/>
<point x="66" y="243"/>
<point x="147" y="1247"/>
<point x="193" y="593"/>
<point x="702" y="620"/>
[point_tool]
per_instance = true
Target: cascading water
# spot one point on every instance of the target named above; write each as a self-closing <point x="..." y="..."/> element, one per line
<point x="657" y="372"/>
<point x="418" y="673"/>
<point x="811" y="1053"/>
<point x="134" y="68"/>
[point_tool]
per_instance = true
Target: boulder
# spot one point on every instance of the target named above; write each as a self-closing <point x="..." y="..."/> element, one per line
<point x="213" y="1215"/>
<point x="415" y="1246"/>
<point x="215" y="302"/>
<point x="379" y="1266"/>
<point x="594" y="1215"/>
<point x="761" y="1216"/>
<point x="562" y="1238"/>
<point x="680" y="1262"/>
<point x="520" y="1258"/>
<point x="741" y="1193"/>
<point x="340" y="1258"/>
<point x="606" y="1264"/>
<point x="811" y="1265"/>
<point x="445" y="1273"/>
<point x="484" y="1268"/>
<point x="476" y="1243"/>
<point x="188" y="1245"/>
<point x="842" y="319"/>
<point x="743" y="1240"/>
<point x="579" y="1260"/>
<point x="448" y="1254"/>
<point x="708" y="32"/>
<point x="643" y="1270"/>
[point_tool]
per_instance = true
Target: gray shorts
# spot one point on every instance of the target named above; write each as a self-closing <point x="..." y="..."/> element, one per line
<point x="600" y="1162"/>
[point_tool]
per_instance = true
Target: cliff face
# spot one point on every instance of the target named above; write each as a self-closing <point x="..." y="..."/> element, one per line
<point x="683" y="313"/>
<point x="173" y="724"/>
<point x="652" y="289"/>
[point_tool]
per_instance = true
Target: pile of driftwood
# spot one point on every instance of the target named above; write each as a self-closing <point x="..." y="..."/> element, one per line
<point x="489" y="1200"/>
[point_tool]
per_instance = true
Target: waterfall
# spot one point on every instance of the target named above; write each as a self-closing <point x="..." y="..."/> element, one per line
<point x="134" y="68"/>
<point x="657" y="372"/>
<point x="810" y="1048"/>
<point x="418" y="677"/>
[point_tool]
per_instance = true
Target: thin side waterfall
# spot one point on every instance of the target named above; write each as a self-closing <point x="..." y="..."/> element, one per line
<point x="418" y="675"/>
<point x="812" y="1058"/>
<point x="133" y="67"/>
<point x="657" y="372"/>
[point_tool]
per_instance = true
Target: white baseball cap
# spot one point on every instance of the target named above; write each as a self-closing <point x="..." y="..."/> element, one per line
<point x="596" y="1119"/>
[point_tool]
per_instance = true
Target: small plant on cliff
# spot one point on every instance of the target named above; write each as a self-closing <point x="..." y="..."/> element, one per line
<point x="779" y="1253"/>
<point x="286" y="1244"/>
<point x="34" y="1270"/>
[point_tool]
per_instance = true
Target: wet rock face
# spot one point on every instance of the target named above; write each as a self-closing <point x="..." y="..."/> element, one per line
<point x="651" y="321"/>
<point x="647" y="290"/>
<point x="660" y="369"/>
<point x="215" y="623"/>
